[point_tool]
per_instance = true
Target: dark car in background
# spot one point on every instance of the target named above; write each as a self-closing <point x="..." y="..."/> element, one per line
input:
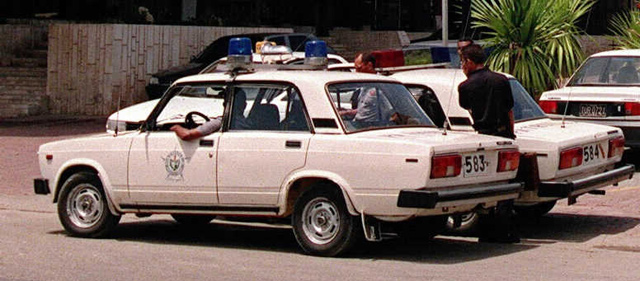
<point x="162" y="79"/>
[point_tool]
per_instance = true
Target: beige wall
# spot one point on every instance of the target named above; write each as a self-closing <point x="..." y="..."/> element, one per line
<point x="90" y="66"/>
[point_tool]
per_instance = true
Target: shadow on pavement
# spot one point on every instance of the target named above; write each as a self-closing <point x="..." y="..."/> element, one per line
<point x="574" y="228"/>
<point x="553" y="228"/>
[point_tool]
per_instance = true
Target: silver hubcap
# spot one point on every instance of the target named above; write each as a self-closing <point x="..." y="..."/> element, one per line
<point x="320" y="221"/>
<point x="84" y="206"/>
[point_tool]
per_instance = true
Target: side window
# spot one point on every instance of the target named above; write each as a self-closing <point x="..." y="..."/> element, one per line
<point x="267" y="108"/>
<point x="297" y="43"/>
<point x="205" y="99"/>
<point x="279" y="40"/>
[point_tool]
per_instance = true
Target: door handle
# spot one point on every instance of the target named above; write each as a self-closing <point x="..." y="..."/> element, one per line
<point x="293" y="144"/>
<point x="206" y="143"/>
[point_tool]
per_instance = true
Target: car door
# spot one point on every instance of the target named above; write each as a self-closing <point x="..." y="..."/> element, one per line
<point x="167" y="171"/>
<point x="266" y="140"/>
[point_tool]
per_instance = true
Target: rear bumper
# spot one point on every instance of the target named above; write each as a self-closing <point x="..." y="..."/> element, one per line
<point x="578" y="187"/>
<point x="41" y="186"/>
<point x="428" y="199"/>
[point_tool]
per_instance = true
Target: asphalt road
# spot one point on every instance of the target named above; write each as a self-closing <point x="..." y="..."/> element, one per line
<point x="596" y="239"/>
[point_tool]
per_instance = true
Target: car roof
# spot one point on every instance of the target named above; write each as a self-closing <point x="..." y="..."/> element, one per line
<point x="631" y="52"/>
<point x="321" y="77"/>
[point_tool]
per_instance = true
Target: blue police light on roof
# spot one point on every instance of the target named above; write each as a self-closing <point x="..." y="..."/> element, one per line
<point x="239" y="46"/>
<point x="240" y="53"/>
<point x="315" y="53"/>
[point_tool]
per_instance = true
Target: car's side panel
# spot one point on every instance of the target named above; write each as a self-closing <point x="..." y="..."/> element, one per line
<point x="165" y="170"/>
<point x="252" y="165"/>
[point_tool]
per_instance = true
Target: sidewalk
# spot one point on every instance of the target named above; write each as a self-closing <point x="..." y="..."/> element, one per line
<point x="50" y="119"/>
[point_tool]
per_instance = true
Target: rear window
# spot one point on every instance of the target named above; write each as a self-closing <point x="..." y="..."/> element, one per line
<point x="608" y="71"/>
<point x="370" y="105"/>
<point x="524" y="107"/>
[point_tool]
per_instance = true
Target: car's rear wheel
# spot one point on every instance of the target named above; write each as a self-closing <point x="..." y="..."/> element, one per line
<point x="83" y="209"/>
<point x="537" y="210"/>
<point x="192" y="220"/>
<point x="468" y="223"/>
<point x="321" y="223"/>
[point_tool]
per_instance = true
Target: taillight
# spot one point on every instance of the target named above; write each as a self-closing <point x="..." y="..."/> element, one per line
<point x="570" y="158"/>
<point x="445" y="166"/>
<point x="631" y="108"/>
<point x="549" y="106"/>
<point x="616" y="147"/>
<point x="508" y="160"/>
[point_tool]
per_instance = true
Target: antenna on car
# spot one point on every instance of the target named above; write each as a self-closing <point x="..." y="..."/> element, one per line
<point x="117" y="114"/>
<point x="446" y="116"/>
<point x="566" y="107"/>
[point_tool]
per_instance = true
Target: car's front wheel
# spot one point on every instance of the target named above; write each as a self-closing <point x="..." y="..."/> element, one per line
<point x="83" y="209"/>
<point x="322" y="224"/>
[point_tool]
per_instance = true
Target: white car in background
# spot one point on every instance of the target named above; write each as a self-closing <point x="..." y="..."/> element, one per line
<point x="560" y="159"/>
<point x="604" y="90"/>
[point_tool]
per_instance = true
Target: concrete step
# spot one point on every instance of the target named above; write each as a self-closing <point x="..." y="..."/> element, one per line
<point x="34" y="53"/>
<point x="23" y="81"/>
<point x="27" y="98"/>
<point x="29" y="62"/>
<point x="13" y="71"/>
<point x="11" y="111"/>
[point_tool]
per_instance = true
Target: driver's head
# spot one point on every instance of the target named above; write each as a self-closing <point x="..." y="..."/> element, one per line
<point x="239" y="101"/>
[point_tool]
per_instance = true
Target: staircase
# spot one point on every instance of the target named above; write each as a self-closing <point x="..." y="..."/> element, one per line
<point x="23" y="82"/>
<point x="340" y="49"/>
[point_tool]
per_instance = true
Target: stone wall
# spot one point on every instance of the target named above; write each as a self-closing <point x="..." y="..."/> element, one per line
<point x="93" y="66"/>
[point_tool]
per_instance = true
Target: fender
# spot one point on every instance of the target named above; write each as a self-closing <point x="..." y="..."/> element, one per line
<point x="347" y="191"/>
<point x="102" y="175"/>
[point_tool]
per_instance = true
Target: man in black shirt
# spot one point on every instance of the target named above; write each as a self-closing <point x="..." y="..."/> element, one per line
<point x="486" y="94"/>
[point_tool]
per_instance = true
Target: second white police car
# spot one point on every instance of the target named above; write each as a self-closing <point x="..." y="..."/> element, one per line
<point x="560" y="159"/>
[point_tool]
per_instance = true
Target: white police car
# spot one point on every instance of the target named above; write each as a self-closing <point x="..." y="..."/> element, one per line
<point x="565" y="159"/>
<point x="604" y="90"/>
<point x="338" y="178"/>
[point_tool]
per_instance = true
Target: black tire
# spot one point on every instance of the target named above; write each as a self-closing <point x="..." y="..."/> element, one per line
<point x="322" y="224"/>
<point x="192" y="220"/>
<point x="83" y="208"/>
<point x="535" y="211"/>
<point x="468" y="225"/>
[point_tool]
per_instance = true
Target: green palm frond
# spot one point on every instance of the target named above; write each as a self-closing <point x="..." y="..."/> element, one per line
<point x="534" y="40"/>
<point x="626" y="29"/>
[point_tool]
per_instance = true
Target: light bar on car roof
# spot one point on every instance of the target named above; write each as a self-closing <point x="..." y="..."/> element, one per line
<point x="315" y="53"/>
<point x="392" y="61"/>
<point x="239" y="53"/>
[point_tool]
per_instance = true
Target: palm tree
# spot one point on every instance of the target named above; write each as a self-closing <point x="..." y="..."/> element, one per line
<point x="534" y="40"/>
<point x="625" y="27"/>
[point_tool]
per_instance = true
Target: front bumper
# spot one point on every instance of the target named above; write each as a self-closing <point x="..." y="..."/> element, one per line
<point x="41" y="186"/>
<point x="563" y="189"/>
<point x="428" y="199"/>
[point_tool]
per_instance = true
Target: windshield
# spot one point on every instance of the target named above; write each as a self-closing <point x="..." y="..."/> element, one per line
<point x="367" y="105"/>
<point x="608" y="71"/>
<point x="206" y="99"/>
<point x="524" y="107"/>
